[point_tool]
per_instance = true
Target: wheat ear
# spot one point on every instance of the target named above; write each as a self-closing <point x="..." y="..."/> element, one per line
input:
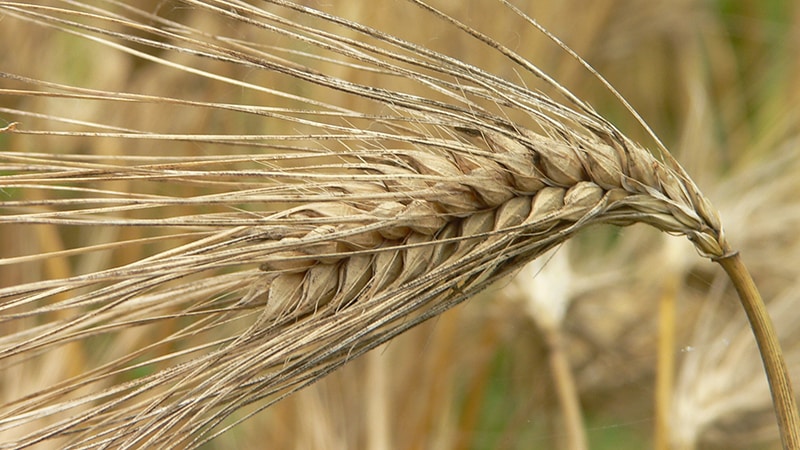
<point x="368" y="220"/>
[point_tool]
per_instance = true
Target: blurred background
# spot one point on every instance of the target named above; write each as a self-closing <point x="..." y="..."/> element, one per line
<point x="658" y="350"/>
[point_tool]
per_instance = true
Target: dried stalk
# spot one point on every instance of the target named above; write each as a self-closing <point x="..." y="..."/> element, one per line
<point x="769" y="348"/>
<point x="368" y="219"/>
<point x="718" y="390"/>
<point x="665" y="373"/>
<point x="546" y="287"/>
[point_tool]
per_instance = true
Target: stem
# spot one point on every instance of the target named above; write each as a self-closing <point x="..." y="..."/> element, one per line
<point x="377" y="402"/>
<point x="564" y="381"/>
<point x="777" y="374"/>
<point x="666" y="362"/>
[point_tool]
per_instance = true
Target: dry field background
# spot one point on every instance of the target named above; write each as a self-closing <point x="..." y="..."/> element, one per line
<point x="718" y="81"/>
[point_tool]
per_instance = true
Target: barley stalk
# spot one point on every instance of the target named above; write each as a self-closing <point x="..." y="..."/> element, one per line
<point x="371" y="215"/>
<point x="730" y="389"/>
<point x="547" y="286"/>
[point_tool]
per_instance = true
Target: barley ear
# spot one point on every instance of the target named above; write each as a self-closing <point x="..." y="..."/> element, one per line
<point x="363" y="211"/>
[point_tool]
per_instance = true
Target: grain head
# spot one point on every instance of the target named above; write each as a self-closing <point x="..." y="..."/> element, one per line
<point x="344" y="211"/>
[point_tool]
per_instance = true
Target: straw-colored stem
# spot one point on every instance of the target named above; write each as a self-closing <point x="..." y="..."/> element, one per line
<point x="666" y="363"/>
<point x="476" y="392"/>
<point x="564" y="382"/>
<point x="377" y="407"/>
<point x="769" y="347"/>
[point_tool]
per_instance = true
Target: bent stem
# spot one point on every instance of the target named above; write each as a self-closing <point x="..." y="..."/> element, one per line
<point x="769" y="347"/>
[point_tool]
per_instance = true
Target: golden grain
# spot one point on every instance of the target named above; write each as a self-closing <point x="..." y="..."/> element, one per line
<point x="367" y="217"/>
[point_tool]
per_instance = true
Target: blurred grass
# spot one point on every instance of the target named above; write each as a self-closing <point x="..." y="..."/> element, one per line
<point x="717" y="80"/>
